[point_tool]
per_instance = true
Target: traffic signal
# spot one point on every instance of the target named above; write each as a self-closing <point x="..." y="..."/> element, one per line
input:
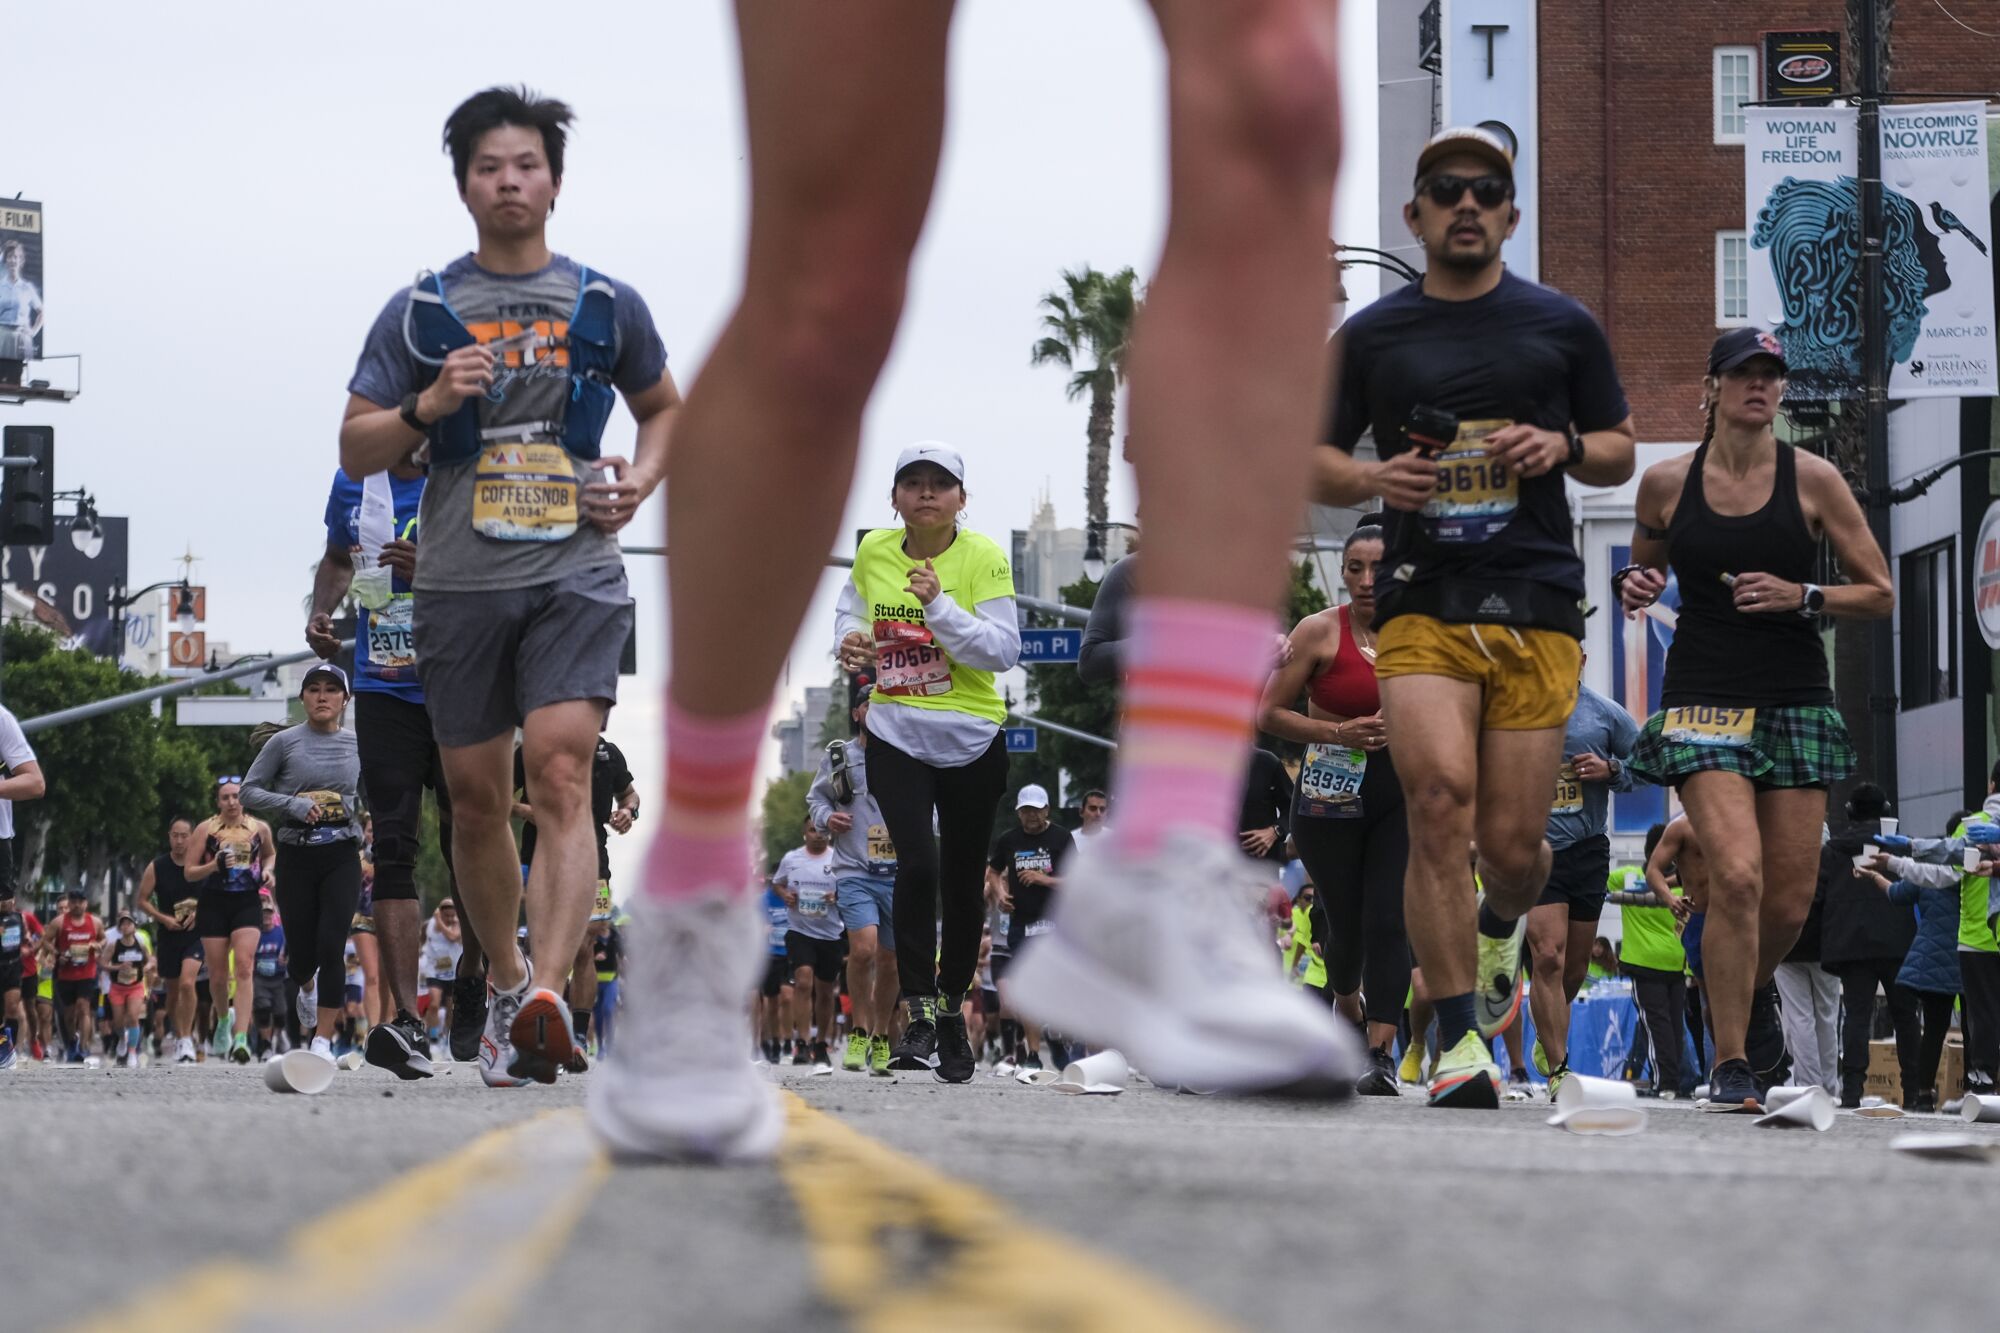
<point x="27" y="494"/>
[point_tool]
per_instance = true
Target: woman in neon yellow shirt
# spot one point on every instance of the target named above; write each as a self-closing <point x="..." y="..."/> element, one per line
<point x="930" y="607"/>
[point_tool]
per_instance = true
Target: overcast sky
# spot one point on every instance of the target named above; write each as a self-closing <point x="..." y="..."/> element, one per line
<point x="232" y="190"/>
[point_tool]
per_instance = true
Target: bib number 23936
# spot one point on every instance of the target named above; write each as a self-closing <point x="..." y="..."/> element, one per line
<point x="908" y="661"/>
<point x="524" y="493"/>
<point x="1330" y="781"/>
<point x="1714" y="726"/>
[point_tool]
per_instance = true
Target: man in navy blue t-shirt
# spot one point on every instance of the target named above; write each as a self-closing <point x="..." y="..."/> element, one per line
<point x="1483" y="392"/>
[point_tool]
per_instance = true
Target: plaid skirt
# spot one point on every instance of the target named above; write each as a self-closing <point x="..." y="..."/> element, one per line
<point x="1786" y="747"/>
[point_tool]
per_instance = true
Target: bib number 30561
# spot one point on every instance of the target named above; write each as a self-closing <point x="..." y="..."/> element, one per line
<point x="908" y="661"/>
<point x="1710" y="725"/>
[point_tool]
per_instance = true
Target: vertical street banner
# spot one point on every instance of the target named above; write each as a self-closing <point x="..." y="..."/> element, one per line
<point x="1803" y="205"/>
<point x="1638" y="665"/>
<point x="21" y="309"/>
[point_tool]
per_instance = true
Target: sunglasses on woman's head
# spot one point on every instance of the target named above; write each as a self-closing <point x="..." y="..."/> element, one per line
<point x="225" y="781"/>
<point x="1487" y="191"/>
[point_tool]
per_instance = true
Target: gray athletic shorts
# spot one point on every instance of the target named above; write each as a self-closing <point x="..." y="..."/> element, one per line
<point x="488" y="659"/>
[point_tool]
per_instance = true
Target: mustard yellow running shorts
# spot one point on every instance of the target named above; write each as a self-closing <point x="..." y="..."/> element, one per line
<point x="1528" y="676"/>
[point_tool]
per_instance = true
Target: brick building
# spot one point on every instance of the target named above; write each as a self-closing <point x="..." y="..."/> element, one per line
<point x="1631" y="182"/>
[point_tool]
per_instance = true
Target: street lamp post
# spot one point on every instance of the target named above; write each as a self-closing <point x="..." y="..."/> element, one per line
<point x="1093" y="548"/>
<point x="183" y="609"/>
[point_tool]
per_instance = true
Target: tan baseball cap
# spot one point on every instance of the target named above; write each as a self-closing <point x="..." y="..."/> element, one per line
<point x="1469" y="140"/>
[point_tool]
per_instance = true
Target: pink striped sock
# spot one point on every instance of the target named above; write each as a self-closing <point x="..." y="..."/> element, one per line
<point x="1194" y="672"/>
<point x="704" y="838"/>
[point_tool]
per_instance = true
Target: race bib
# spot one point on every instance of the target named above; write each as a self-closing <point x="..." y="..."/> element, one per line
<point x="524" y="493"/>
<point x="1569" y="791"/>
<point x="1704" y="724"/>
<point x="908" y="660"/>
<point x="600" y="908"/>
<point x="881" y="851"/>
<point x="267" y="967"/>
<point x="812" y="902"/>
<point x="1330" y="782"/>
<point x="79" y="953"/>
<point x="1476" y="494"/>
<point x="10" y="937"/>
<point x="127" y="974"/>
<point x="392" y="640"/>
<point x="184" y="911"/>
<point x="1035" y="928"/>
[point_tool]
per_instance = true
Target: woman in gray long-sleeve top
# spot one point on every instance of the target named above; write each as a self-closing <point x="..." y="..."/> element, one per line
<point x="307" y="780"/>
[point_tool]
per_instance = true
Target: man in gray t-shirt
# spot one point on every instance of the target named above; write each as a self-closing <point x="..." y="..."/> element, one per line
<point x="499" y="371"/>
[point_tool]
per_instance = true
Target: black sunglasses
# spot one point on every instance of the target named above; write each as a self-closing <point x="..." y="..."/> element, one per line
<point x="1487" y="191"/>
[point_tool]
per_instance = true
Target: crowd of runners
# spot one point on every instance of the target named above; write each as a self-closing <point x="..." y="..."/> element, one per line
<point x="1450" y="806"/>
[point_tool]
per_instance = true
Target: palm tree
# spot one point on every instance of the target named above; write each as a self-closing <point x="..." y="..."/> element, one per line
<point x="1087" y="329"/>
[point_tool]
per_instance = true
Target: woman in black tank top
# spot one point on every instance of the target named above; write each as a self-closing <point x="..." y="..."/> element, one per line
<point x="1746" y="731"/>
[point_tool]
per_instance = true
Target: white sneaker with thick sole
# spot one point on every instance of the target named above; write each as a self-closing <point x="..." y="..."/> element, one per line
<point x="496" y="1045"/>
<point x="309" y="1005"/>
<point x="1167" y="958"/>
<point x="184" y="1051"/>
<point x="322" y="1048"/>
<point x="679" y="1084"/>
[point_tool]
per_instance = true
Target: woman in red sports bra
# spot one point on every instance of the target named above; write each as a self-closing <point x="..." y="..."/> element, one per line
<point x="1347" y="822"/>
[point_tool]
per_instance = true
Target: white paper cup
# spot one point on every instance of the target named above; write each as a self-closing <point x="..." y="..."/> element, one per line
<point x="299" y="1071"/>
<point x="1104" y="1072"/>
<point x="1778" y="1097"/>
<point x="1890" y="824"/>
<point x="1973" y="856"/>
<point x="1606" y="1121"/>
<point x="1580" y="1091"/>
<point x="1862" y="859"/>
<point x="1814" y="1111"/>
<point x="1035" y="1078"/>
<point x="1980" y="1108"/>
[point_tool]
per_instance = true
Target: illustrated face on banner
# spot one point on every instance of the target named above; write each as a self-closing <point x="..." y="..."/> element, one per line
<point x="1812" y="231"/>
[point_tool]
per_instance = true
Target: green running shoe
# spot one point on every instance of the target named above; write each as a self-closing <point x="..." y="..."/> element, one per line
<point x="1498" y="995"/>
<point x="219" y="1044"/>
<point x="239" y="1050"/>
<point x="856" y="1054"/>
<point x="1466" y="1077"/>
<point x="1541" y="1058"/>
<point x="878" y="1056"/>
<point x="1556" y="1079"/>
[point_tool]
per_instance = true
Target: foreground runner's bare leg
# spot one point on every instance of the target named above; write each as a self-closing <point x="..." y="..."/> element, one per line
<point x="846" y="117"/>
<point x="1228" y="360"/>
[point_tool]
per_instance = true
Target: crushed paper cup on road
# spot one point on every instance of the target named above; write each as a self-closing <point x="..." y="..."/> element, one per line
<point x="1606" y="1106"/>
<point x="1778" y="1097"/>
<point x="1104" y="1073"/>
<point x="1880" y="1111"/>
<point x="1813" y="1111"/>
<point x="1036" y="1078"/>
<point x="299" y="1071"/>
<point x="1947" y="1147"/>
<point x="1980" y="1108"/>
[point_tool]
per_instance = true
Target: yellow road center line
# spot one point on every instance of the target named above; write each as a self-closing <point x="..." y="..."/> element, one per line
<point x="869" y="1211"/>
<point x="513" y="1197"/>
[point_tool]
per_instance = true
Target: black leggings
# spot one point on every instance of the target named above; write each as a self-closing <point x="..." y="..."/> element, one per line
<point x="1919" y="1060"/>
<point x="318" y="890"/>
<point x="1357" y="866"/>
<point x="949" y="867"/>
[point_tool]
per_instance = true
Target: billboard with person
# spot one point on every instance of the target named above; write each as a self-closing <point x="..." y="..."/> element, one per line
<point x="22" y="310"/>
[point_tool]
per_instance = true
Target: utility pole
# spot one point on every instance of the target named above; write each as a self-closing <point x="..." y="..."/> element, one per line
<point x="1882" y="697"/>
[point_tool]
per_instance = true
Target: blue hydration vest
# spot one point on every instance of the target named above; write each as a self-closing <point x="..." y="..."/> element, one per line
<point x="433" y="330"/>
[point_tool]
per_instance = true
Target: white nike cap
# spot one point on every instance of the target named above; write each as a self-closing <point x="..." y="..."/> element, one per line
<point x="1033" y="797"/>
<point x="931" y="451"/>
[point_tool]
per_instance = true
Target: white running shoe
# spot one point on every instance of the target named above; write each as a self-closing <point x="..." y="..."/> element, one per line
<point x="322" y="1048"/>
<point x="1167" y="958"/>
<point x="496" y="1045"/>
<point x="184" y="1051"/>
<point x="309" y="1005"/>
<point x="679" y="1083"/>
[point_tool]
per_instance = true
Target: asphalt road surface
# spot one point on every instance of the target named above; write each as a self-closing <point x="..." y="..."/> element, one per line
<point x="192" y="1198"/>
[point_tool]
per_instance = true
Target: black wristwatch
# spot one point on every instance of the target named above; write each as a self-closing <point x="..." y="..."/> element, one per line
<point x="1575" y="450"/>
<point x="1812" y="600"/>
<point x="408" y="412"/>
